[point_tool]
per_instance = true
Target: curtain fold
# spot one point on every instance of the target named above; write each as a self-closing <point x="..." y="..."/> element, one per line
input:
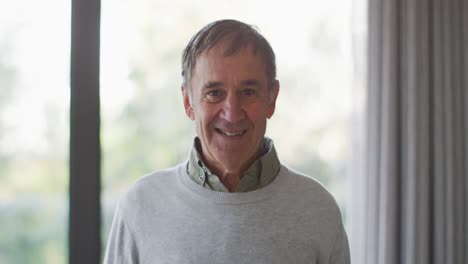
<point x="414" y="183"/>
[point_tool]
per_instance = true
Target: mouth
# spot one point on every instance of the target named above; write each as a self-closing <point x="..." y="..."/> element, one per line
<point x="231" y="133"/>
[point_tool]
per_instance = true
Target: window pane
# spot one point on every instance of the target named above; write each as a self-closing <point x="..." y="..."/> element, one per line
<point x="34" y="102"/>
<point x="144" y="125"/>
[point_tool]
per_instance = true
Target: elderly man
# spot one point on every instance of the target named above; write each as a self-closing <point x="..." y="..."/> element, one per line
<point x="232" y="201"/>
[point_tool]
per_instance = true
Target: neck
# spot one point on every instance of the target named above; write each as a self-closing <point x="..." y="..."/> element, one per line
<point x="230" y="177"/>
<point x="231" y="181"/>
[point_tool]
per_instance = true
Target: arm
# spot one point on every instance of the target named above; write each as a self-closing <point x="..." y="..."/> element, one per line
<point x="340" y="250"/>
<point x="121" y="246"/>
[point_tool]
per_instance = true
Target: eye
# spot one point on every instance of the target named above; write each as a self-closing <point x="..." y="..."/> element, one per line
<point x="248" y="92"/>
<point x="214" y="95"/>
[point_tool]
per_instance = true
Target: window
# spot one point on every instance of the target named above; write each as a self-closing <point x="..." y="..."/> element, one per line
<point x="144" y="125"/>
<point x="34" y="102"/>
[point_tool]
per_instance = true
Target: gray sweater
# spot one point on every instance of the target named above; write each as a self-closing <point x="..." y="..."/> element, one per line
<point x="165" y="217"/>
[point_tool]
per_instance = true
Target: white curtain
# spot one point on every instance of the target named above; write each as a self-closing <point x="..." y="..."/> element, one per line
<point x="410" y="197"/>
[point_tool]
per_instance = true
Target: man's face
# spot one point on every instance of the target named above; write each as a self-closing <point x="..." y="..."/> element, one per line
<point x="230" y="104"/>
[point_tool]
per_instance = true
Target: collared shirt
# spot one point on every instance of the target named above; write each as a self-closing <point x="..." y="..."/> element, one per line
<point x="261" y="173"/>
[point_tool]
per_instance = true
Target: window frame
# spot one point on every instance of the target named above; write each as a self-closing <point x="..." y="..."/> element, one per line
<point x="85" y="151"/>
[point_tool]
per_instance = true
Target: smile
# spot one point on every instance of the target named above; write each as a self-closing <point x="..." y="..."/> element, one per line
<point x="231" y="134"/>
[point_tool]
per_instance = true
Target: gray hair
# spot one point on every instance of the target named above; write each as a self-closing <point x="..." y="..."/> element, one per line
<point x="237" y="35"/>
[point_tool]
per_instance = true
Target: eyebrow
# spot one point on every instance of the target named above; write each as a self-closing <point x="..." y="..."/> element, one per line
<point x="215" y="84"/>
<point x="212" y="84"/>
<point x="251" y="82"/>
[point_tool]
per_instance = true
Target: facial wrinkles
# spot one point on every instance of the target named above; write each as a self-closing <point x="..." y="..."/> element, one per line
<point x="232" y="84"/>
<point x="231" y="113"/>
<point x="231" y="128"/>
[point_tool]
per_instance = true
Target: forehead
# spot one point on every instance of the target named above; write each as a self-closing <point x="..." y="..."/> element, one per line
<point x="220" y="59"/>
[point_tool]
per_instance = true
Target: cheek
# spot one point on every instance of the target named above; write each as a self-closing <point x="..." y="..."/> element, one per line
<point x="206" y="115"/>
<point x="257" y="114"/>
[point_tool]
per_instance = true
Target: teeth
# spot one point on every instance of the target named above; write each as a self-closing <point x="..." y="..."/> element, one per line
<point x="231" y="134"/>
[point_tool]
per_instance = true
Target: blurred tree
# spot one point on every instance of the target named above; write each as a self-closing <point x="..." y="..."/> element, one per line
<point x="32" y="194"/>
<point x="7" y="84"/>
<point x="151" y="132"/>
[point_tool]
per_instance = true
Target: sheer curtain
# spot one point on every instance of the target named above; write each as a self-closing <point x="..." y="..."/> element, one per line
<point x="411" y="197"/>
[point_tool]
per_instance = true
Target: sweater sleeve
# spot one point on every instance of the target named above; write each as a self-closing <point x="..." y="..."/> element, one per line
<point x="340" y="251"/>
<point x="121" y="245"/>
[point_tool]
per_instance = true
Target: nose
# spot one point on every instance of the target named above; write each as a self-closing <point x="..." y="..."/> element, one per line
<point x="232" y="109"/>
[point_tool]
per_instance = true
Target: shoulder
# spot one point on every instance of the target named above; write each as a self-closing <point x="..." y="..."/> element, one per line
<point x="303" y="181"/>
<point x="307" y="190"/>
<point x="150" y="188"/>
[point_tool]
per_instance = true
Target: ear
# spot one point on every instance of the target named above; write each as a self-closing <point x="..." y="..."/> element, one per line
<point x="273" y="96"/>
<point x="187" y="103"/>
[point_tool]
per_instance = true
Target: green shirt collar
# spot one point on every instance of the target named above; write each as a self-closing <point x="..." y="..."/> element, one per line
<point x="261" y="173"/>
